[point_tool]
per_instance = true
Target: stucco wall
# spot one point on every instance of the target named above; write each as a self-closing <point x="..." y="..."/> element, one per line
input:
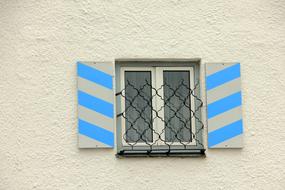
<point x="42" y="40"/>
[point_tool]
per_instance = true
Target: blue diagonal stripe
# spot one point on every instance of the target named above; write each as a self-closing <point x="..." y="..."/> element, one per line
<point x="95" y="104"/>
<point x="96" y="132"/>
<point x="94" y="75"/>
<point x="224" y="104"/>
<point x="225" y="133"/>
<point x="223" y="76"/>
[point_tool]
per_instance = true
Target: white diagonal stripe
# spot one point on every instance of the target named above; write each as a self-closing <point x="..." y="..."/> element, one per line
<point x="95" y="118"/>
<point x="235" y="142"/>
<point x="212" y="68"/>
<point x="95" y="90"/>
<point x="224" y="119"/>
<point x="223" y="91"/>
<point x="106" y="67"/>
<point x="86" y="142"/>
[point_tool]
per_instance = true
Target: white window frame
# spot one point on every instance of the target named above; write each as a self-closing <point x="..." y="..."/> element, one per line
<point x="156" y="82"/>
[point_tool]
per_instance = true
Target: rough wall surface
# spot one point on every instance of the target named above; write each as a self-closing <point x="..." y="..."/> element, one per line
<point x="42" y="40"/>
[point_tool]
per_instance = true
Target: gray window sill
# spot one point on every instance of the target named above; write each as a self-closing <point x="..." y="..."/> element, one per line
<point x="162" y="153"/>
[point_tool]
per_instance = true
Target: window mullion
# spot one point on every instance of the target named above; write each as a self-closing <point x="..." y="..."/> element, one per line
<point x="159" y="105"/>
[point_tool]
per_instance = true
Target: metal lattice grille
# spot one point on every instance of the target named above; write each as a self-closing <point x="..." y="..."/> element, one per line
<point x="175" y="124"/>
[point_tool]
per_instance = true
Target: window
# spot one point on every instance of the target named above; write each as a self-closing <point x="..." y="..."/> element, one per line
<point x="159" y="108"/>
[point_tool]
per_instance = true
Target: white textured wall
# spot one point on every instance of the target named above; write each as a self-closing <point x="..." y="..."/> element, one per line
<point x="40" y="42"/>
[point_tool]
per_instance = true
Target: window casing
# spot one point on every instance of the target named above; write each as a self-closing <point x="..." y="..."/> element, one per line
<point x="158" y="107"/>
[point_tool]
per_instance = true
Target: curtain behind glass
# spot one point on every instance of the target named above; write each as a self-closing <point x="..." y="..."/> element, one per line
<point x="179" y="124"/>
<point x="138" y="111"/>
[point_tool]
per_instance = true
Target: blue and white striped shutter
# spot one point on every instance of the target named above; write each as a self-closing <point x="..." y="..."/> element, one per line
<point x="223" y="85"/>
<point x="95" y="104"/>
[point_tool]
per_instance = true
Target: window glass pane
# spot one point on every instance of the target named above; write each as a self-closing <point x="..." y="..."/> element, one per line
<point x="138" y="106"/>
<point x="177" y="110"/>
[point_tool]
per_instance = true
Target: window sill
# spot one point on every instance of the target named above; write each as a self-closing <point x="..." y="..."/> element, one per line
<point x="162" y="153"/>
